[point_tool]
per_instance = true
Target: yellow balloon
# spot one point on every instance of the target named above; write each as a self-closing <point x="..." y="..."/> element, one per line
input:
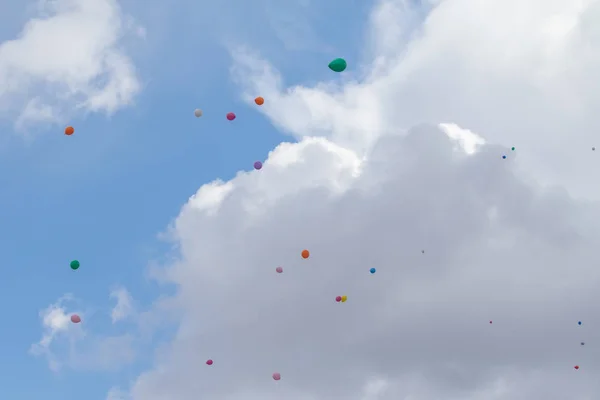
<point x="344" y="298"/>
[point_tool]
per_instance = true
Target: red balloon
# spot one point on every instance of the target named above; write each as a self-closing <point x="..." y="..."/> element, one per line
<point x="230" y="116"/>
<point x="577" y="367"/>
<point x="338" y="298"/>
<point x="276" y="376"/>
<point x="75" y="319"/>
<point x="209" y="362"/>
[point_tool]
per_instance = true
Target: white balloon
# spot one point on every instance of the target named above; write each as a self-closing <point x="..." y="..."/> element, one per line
<point x="198" y="113"/>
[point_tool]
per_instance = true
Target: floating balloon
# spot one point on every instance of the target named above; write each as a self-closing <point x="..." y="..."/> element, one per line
<point x="279" y="270"/>
<point x="503" y="157"/>
<point x="75" y="319"/>
<point x="257" y="165"/>
<point x="344" y="298"/>
<point x="338" y="298"/>
<point x="198" y="112"/>
<point x="75" y="264"/>
<point x="422" y="251"/>
<point x="490" y="322"/>
<point x="579" y="323"/>
<point x="372" y="270"/>
<point x="512" y="148"/>
<point x="593" y="148"/>
<point x="576" y="367"/>
<point x="230" y="116"/>
<point x="209" y="362"/>
<point x="259" y="101"/>
<point x="583" y="343"/>
<point x="69" y="130"/>
<point x="305" y="254"/>
<point x="338" y="65"/>
<point x="276" y="376"/>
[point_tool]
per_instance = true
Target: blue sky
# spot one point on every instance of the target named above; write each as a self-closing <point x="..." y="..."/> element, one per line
<point x="102" y="195"/>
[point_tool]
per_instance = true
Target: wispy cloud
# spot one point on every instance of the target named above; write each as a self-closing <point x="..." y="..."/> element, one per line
<point x="124" y="307"/>
<point x="55" y="322"/>
<point x="65" y="344"/>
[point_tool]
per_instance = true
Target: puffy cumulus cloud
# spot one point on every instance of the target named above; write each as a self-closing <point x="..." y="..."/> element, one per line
<point x="458" y="235"/>
<point x="533" y="86"/>
<point x="65" y="344"/>
<point x="496" y="247"/>
<point x="124" y="306"/>
<point x="70" y="56"/>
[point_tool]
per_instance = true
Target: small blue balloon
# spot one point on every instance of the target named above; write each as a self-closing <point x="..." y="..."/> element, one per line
<point x="372" y="270"/>
<point x="579" y="323"/>
<point x="504" y="157"/>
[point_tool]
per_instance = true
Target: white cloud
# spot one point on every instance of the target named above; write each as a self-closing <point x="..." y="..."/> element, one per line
<point x="533" y="86"/>
<point x="496" y="247"/>
<point x="71" y="55"/>
<point x="124" y="307"/>
<point x="369" y="185"/>
<point x="65" y="344"/>
<point x="55" y="323"/>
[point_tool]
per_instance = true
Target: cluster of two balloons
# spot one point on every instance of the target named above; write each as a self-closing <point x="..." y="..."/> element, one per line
<point x="341" y="299"/>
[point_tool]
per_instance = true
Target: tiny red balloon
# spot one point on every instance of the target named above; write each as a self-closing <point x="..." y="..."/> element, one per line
<point x="209" y="362"/>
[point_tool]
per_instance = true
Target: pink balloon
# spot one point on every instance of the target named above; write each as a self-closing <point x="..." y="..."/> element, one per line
<point x="230" y="116"/>
<point x="279" y="270"/>
<point x="209" y="362"/>
<point x="75" y="319"/>
<point x="338" y="298"/>
<point x="277" y="376"/>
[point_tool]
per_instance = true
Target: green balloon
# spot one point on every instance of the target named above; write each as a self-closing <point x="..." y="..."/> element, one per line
<point x="338" y="65"/>
<point x="75" y="264"/>
<point x="513" y="149"/>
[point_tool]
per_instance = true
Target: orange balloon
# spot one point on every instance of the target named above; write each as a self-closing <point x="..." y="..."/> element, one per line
<point x="259" y="100"/>
<point x="305" y="254"/>
<point x="69" y="130"/>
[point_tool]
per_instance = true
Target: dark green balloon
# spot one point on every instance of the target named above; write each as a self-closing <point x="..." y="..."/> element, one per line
<point x="75" y="264"/>
<point x="338" y="65"/>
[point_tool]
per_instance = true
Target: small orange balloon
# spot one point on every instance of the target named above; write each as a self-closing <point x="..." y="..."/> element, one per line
<point x="69" y="130"/>
<point x="259" y="101"/>
<point x="305" y="254"/>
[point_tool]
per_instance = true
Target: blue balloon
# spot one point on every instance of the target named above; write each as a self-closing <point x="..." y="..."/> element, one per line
<point x="372" y="270"/>
<point x="504" y="157"/>
<point x="579" y="323"/>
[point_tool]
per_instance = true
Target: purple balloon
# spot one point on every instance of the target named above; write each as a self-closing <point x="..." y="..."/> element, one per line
<point x="257" y="165"/>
